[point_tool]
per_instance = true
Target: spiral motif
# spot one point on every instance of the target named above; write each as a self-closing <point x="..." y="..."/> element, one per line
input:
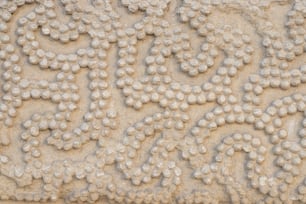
<point x="191" y="101"/>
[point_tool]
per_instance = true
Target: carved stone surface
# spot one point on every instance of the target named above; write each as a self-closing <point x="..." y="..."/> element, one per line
<point x="153" y="101"/>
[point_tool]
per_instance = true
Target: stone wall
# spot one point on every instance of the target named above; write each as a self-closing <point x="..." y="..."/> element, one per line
<point x="153" y="101"/>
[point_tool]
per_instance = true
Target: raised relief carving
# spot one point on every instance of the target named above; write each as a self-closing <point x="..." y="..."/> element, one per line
<point x="153" y="101"/>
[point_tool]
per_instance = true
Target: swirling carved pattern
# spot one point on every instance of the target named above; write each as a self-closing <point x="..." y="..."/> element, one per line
<point x="206" y="90"/>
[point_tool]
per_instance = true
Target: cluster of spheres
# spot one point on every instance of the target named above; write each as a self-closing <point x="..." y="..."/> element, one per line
<point x="171" y="155"/>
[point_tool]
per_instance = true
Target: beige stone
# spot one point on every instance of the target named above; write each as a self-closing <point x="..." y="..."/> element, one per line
<point x="152" y="101"/>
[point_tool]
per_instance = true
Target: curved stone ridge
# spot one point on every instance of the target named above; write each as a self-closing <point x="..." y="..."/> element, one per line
<point x="212" y="110"/>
